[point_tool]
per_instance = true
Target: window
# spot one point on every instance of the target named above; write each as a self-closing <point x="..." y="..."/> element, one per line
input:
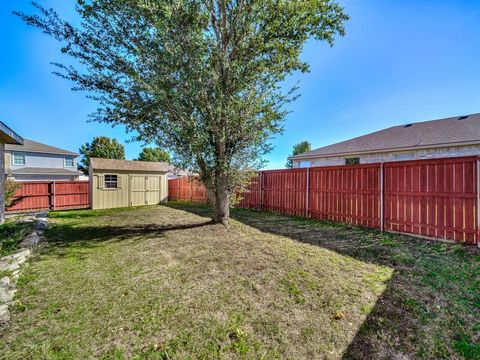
<point x="304" y="164"/>
<point x="68" y="162"/>
<point x="18" y="159"/>
<point x="352" y="161"/>
<point x="111" y="181"/>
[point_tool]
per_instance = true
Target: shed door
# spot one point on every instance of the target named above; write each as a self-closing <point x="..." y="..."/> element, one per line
<point x="153" y="190"/>
<point x="138" y="189"/>
<point x="145" y="189"/>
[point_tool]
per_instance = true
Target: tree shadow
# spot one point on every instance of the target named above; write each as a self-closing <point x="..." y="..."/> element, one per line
<point x="430" y="308"/>
<point x="67" y="235"/>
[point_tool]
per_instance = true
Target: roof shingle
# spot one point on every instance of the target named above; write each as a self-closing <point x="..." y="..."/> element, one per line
<point x="128" y="165"/>
<point x="33" y="146"/>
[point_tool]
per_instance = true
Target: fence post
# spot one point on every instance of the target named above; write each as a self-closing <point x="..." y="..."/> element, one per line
<point x="54" y="196"/>
<point x="478" y="202"/>
<point x="382" y="198"/>
<point x="307" y="193"/>
<point x="261" y="190"/>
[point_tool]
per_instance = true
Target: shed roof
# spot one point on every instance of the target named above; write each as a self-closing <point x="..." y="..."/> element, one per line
<point x="128" y="165"/>
<point x="33" y="146"/>
<point x="455" y="130"/>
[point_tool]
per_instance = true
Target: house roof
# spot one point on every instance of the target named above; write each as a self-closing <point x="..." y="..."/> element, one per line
<point x="33" y="146"/>
<point x="43" y="171"/>
<point x="128" y="165"/>
<point x="444" y="132"/>
<point x="8" y="136"/>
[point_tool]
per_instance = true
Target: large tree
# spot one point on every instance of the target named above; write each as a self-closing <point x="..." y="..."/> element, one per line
<point x="201" y="78"/>
<point x="298" y="149"/>
<point x="153" y="154"/>
<point x="101" y="147"/>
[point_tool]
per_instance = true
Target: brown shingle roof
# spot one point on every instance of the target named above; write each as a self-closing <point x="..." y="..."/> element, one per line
<point x="128" y="165"/>
<point x="33" y="146"/>
<point x="459" y="129"/>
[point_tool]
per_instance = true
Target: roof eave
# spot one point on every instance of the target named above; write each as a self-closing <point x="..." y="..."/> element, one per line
<point x="8" y="136"/>
<point x="430" y="146"/>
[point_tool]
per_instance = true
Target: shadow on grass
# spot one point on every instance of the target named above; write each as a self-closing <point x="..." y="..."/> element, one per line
<point x="431" y="307"/>
<point x="68" y="235"/>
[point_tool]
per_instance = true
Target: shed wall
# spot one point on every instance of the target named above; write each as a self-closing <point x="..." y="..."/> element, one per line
<point x="130" y="191"/>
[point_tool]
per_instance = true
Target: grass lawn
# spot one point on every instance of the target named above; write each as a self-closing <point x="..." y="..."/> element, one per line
<point x="162" y="283"/>
<point x="12" y="232"/>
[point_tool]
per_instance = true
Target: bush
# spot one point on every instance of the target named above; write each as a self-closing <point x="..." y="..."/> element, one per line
<point x="10" y="188"/>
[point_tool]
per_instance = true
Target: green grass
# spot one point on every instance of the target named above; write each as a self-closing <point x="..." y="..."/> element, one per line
<point x="12" y="232"/>
<point x="163" y="283"/>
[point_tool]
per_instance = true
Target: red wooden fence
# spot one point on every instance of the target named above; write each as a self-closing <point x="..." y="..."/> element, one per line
<point x="187" y="188"/>
<point x="50" y="195"/>
<point x="436" y="198"/>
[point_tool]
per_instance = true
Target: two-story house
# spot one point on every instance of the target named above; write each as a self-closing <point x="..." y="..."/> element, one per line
<point x="33" y="161"/>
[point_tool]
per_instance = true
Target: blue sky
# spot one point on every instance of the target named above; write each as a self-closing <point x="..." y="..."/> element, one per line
<point x="400" y="62"/>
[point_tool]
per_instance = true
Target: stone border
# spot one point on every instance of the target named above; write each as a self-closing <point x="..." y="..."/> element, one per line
<point x="12" y="263"/>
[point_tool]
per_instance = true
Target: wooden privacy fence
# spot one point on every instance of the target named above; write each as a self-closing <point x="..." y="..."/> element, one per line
<point x="187" y="188"/>
<point x="435" y="198"/>
<point x="50" y="195"/>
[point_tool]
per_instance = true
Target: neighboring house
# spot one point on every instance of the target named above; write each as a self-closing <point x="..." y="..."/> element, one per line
<point x="457" y="136"/>
<point x="122" y="183"/>
<point x="7" y="136"/>
<point x="174" y="172"/>
<point x="33" y="161"/>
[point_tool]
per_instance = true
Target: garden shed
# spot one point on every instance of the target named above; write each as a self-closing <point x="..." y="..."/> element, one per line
<point x="122" y="183"/>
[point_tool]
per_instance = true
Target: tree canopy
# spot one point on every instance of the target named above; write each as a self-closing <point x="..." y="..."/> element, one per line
<point x="101" y="147"/>
<point x="299" y="148"/>
<point x="154" y="154"/>
<point x="200" y="78"/>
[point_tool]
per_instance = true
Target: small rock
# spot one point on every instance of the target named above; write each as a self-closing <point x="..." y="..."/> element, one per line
<point x="10" y="265"/>
<point x="6" y="295"/>
<point x="42" y="215"/>
<point x="4" y="314"/>
<point x="5" y="282"/>
<point x="41" y="225"/>
<point x="30" y="240"/>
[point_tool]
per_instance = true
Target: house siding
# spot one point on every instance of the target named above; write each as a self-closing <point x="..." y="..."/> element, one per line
<point x="441" y="152"/>
<point x="2" y="183"/>
<point x="39" y="160"/>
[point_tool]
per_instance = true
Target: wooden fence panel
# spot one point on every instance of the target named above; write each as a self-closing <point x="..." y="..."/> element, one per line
<point x="50" y="195"/>
<point x="251" y="197"/>
<point x="348" y="194"/>
<point x="435" y="198"/>
<point x="71" y="195"/>
<point x="285" y="191"/>
<point x="32" y="196"/>
<point x="188" y="189"/>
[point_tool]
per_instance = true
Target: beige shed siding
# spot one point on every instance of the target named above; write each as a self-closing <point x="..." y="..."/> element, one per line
<point x="134" y="189"/>
<point x="419" y="154"/>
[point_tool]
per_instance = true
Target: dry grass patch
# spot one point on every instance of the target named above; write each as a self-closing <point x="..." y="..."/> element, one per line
<point x="161" y="282"/>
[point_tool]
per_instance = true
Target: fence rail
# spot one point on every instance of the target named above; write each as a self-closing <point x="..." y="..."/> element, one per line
<point x="436" y="198"/>
<point x="50" y="195"/>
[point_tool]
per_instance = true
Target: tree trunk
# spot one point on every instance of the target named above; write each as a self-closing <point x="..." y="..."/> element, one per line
<point x="221" y="207"/>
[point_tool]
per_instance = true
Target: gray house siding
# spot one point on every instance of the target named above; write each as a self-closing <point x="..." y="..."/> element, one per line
<point x="40" y="161"/>
<point x="49" y="161"/>
<point x="441" y="152"/>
